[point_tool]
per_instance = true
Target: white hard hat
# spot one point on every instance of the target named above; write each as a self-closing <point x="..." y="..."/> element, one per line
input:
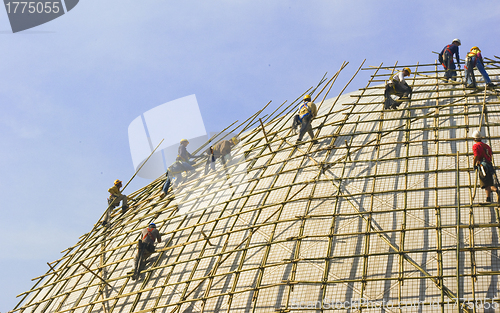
<point x="457" y="40"/>
<point x="477" y="134"/>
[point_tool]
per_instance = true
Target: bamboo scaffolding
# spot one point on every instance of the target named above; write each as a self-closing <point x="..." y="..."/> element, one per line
<point x="233" y="229"/>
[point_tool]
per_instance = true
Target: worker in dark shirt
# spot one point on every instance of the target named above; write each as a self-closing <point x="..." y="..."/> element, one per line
<point x="446" y="58"/>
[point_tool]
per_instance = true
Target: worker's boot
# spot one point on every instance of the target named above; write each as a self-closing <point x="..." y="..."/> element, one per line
<point x="488" y="199"/>
<point x="491" y="85"/>
<point x="124" y="209"/>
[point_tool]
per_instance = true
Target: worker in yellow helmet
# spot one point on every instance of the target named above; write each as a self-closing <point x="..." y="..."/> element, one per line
<point x="446" y="59"/>
<point x="115" y="197"/>
<point x="222" y="151"/>
<point x="398" y="86"/>
<point x="475" y="59"/>
<point x="307" y="112"/>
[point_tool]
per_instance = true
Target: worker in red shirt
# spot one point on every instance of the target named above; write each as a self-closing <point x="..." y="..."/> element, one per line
<point x="482" y="162"/>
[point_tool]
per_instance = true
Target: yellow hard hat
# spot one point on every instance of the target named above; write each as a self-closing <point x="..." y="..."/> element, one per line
<point x="474" y="48"/>
<point x="408" y="70"/>
<point x="307" y="97"/>
<point x="184" y="140"/>
<point x="117" y="182"/>
<point x="235" y="140"/>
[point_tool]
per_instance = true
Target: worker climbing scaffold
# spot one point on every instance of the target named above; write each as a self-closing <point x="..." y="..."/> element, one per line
<point x="483" y="157"/>
<point x="222" y="151"/>
<point x="397" y="86"/>
<point x="145" y="247"/>
<point x="475" y="59"/>
<point x="307" y="112"/>
<point x="183" y="155"/>
<point x="115" y="197"/>
<point x="446" y="59"/>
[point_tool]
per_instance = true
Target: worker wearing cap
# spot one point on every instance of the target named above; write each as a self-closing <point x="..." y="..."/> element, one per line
<point x="483" y="163"/>
<point x="475" y="59"/>
<point x="398" y="86"/>
<point x="115" y="196"/>
<point x="148" y="236"/>
<point x="307" y="112"/>
<point x="183" y="155"/>
<point x="446" y="59"/>
<point x="220" y="150"/>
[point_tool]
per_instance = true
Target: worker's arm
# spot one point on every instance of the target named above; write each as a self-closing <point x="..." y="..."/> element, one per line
<point x="114" y="191"/>
<point x="158" y="236"/>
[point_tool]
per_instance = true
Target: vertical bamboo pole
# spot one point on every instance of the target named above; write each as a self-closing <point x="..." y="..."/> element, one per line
<point x="458" y="233"/>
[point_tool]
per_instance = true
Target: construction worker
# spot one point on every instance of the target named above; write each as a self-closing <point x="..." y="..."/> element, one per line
<point x="446" y="59"/>
<point x="166" y="186"/>
<point x="149" y="235"/>
<point x="483" y="163"/>
<point x="183" y="155"/>
<point x="475" y="59"/>
<point x="307" y="112"/>
<point x="220" y="150"/>
<point x="115" y="196"/>
<point x="146" y="247"/>
<point x="397" y="86"/>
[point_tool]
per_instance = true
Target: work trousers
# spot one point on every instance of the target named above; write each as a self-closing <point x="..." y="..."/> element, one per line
<point x="470" y="79"/>
<point x="450" y="67"/>
<point x="305" y="126"/>
<point x="211" y="161"/>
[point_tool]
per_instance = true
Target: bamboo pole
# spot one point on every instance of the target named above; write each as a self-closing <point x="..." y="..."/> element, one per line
<point x="459" y="298"/>
<point x="265" y="135"/>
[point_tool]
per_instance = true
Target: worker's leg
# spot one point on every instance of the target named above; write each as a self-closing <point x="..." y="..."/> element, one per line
<point x="209" y="164"/>
<point x="187" y="166"/>
<point x="387" y="96"/>
<point x="481" y="69"/>
<point x="468" y="78"/>
<point x="310" y="131"/>
<point x="447" y="60"/>
<point x="451" y="69"/>
<point x="165" y="188"/>
<point x="123" y="199"/>
<point x="178" y="179"/>
<point x="306" y="121"/>
<point x="295" y="123"/>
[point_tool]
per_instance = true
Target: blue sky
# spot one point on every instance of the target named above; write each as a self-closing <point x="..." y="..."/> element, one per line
<point x="70" y="88"/>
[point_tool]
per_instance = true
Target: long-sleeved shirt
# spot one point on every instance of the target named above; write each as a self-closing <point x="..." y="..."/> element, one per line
<point x="308" y="107"/>
<point x="115" y="191"/>
<point x="149" y="235"/>
<point x="399" y="77"/>
<point x="222" y="148"/>
<point x="451" y="50"/>
<point x="183" y="153"/>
